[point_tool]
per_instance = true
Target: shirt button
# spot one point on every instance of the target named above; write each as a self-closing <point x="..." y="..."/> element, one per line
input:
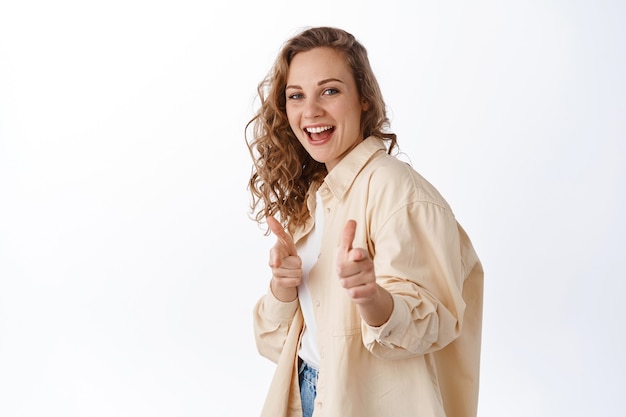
<point x="317" y="303"/>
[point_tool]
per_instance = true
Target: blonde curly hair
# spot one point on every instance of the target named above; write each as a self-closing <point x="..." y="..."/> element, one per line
<point x="283" y="171"/>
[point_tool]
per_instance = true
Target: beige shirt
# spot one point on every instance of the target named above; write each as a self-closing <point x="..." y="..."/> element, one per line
<point x="424" y="361"/>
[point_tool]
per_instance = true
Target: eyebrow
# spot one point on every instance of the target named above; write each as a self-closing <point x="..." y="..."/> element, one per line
<point x="322" y="82"/>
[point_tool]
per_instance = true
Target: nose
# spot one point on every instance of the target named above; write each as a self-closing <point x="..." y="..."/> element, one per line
<point x="313" y="108"/>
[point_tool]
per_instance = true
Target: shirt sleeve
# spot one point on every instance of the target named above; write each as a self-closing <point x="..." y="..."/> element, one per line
<point x="418" y="260"/>
<point x="272" y="319"/>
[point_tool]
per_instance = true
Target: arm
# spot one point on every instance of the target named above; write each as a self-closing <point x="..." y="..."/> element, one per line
<point x="272" y="320"/>
<point x="274" y="313"/>
<point x="418" y="264"/>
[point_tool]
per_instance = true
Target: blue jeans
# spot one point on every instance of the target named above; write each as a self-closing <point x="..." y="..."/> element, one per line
<point x="307" y="376"/>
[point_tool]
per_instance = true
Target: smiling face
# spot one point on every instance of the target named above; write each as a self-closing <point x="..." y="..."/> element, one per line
<point x="323" y="104"/>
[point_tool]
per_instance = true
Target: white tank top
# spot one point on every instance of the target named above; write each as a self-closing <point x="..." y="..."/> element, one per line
<point x="309" y="252"/>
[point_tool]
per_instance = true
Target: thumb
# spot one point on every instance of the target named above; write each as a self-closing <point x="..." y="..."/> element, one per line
<point x="349" y="231"/>
<point x="283" y="237"/>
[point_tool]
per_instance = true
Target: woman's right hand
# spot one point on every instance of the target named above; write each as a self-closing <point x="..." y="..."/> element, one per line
<point x="285" y="263"/>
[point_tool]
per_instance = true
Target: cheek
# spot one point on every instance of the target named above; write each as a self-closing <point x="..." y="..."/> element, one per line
<point x="291" y="118"/>
<point x="295" y="130"/>
<point x="356" y="120"/>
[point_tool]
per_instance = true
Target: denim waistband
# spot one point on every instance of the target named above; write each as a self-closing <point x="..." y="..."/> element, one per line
<point x="310" y="373"/>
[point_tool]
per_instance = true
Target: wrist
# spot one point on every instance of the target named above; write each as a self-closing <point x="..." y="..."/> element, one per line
<point x="284" y="294"/>
<point x="377" y="311"/>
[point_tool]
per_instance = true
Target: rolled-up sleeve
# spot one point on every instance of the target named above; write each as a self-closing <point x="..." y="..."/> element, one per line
<point x="272" y="319"/>
<point x="417" y="258"/>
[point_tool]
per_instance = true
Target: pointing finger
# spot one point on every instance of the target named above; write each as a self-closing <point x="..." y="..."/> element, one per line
<point x="282" y="236"/>
<point x="349" y="231"/>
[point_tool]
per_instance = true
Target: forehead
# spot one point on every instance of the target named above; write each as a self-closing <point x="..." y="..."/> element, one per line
<point x="319" y="63"/>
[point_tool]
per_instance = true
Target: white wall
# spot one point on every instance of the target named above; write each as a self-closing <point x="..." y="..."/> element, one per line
<point x="128" y="264"/>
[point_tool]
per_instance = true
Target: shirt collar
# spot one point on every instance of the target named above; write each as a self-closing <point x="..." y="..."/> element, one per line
<point x="340" y="178"/>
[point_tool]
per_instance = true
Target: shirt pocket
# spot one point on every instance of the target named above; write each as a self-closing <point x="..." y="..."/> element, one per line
<point x="347" y="320"/>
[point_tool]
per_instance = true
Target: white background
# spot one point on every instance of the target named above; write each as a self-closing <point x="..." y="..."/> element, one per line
<point x="129" y="266"/>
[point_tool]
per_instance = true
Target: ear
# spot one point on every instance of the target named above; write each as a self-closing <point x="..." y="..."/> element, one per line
<point x="365" y="104"/>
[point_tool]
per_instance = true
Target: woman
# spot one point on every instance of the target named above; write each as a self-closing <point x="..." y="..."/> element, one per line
<point x="374" y="306"/>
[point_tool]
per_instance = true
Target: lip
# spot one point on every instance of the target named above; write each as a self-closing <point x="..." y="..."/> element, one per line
<point x="317" y="125"/>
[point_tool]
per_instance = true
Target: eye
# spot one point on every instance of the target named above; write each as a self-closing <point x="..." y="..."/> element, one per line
<point x="330" y="91"/>
<point x="295" y="96"/>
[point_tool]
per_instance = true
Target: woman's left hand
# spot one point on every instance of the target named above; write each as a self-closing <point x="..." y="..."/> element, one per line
<point x="355" y="268"/>
<point x="356" y="274"/>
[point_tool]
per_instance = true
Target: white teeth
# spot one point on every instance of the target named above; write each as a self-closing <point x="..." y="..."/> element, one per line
<point x="318" y="129"/>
